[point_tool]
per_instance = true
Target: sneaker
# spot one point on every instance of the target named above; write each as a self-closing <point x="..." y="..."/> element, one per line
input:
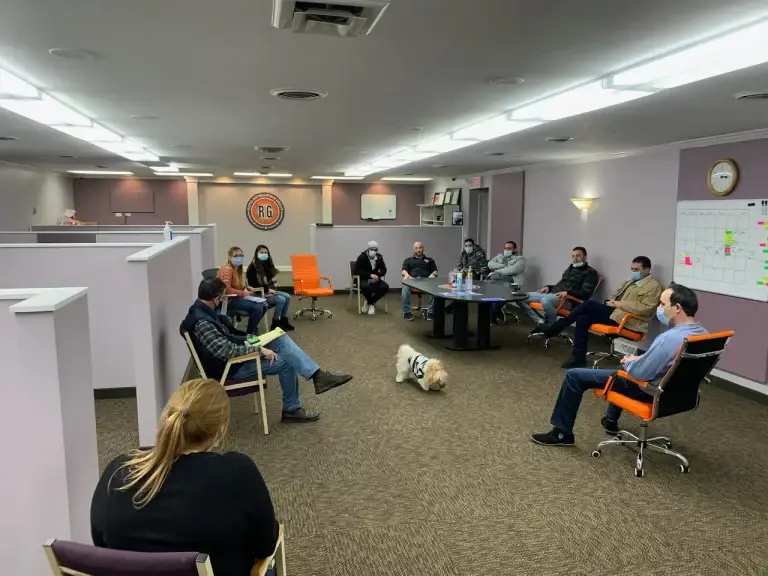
<point x="572" y="363"/>
<point x="430" y="316"/>
<point x="539" y="330"/>
<point x="364" y="309"/>
<point x="325" y="381"/>
<point x="554" y="437"/>
<point x="408" y="316"/>
<point x="300" y="415"/>
<point x="285" y="325"/>
<point x="609" y="426"/>
<point x="371" y="310"/>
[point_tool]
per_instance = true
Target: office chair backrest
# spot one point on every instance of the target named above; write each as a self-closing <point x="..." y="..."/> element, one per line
<point x="695" y="360"/>
<point x="352" y="269"/>
<point x="304" y="267"/>
<point x="74" y="559"/>
<point x="210" y="273"/>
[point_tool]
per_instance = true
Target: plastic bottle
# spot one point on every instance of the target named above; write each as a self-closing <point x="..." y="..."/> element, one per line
<point x="469" y="281"/>
<point x="459" y="280"/>
<point x="167" y="232"/>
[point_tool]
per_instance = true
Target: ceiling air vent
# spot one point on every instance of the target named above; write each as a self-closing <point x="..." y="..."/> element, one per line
<point x="559" y="139"/>
<point x="342" y="18"/>
<point x="302" y="95"/>
<point x="272" y="150"/>
<point x="756" y="95"/>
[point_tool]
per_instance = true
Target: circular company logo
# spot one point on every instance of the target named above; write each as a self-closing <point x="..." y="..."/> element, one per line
<point x="265" y="211"/>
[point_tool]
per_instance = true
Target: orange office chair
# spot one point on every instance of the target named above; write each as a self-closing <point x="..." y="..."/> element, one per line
<point x="678" y="391"/>
<point x="612" y="333"/>
<point x="563" y="309"/>
<point x="307" y="284"/>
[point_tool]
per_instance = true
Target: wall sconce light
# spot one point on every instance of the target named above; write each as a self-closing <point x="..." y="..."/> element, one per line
<point x="583" y="204"/>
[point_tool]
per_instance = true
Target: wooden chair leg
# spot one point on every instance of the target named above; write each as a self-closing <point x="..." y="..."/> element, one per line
<point x="280" y="559"/>
<point x="359" y="304"/>
<point x="349" y="300"/>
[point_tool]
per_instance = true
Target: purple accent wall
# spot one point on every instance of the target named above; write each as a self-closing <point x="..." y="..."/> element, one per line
<point x="507" y="205"/>
<point x="158" y="200"/>
<point x="747" y="355"/>
<point x="346" y="203"/>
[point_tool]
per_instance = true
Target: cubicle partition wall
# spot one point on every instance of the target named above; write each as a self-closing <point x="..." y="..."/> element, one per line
<point x="48" y="422"/>
<point x="335" y="246"/>
<point x="18" y="237"/>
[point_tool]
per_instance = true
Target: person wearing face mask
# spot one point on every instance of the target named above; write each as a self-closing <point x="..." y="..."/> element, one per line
<point x="262" y="273"/>
<point x="508" y="267"/>
<point x="473" y="258"/>
<point x="417" y="266"/>
<point x="216" y="341"/>
<point x="677" y="309"/>
<point x="639" y="295"/>
<point x="233" y="276"/>
<point x="371" y="269"/>
<point x="579" y="281"/>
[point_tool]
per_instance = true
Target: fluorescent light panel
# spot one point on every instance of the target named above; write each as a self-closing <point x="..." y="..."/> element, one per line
<point x="13" y="87"/>
<point x="182" y="174"/>
<point x="165" y="169"/>
<point x="337" y="177"/>
<point x="736" y="50"/>
<point x="493" y="128"/>
<point x="405" y="179"/>
<point x="45" y="110"/>
<point x="92" y="134"/>
<point x="102" y="172"/>
<point x="442" y="145"/>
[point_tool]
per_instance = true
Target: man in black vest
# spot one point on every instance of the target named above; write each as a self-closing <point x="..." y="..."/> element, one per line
<point x="216" y="340"/>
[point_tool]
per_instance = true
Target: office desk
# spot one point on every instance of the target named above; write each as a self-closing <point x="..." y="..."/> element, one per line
<point x="485" y="294"/>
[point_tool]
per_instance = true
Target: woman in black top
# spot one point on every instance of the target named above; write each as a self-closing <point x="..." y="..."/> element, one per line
<point x="180" y="496"/>
<point x="262" y="273"/>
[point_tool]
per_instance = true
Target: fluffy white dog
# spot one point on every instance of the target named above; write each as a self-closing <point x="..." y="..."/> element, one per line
<point x="428" y="372"/>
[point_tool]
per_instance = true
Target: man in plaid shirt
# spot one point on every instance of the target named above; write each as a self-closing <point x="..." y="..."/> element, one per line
<point x="216" y="340"/>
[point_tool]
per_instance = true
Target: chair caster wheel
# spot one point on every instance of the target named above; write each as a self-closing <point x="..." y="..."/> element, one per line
<point x="330" y="316"/>
<point x="313" y="318"/>
<point x="684" y="469"/>
<point x="639" y="472"/>
<point x="596" y="453"/>
<point x="668" y="446"/>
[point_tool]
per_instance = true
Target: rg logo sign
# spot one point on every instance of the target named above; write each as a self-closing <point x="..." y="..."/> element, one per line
<point x="265" y="211"/>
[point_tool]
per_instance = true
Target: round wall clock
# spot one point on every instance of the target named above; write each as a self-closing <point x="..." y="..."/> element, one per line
<point x="723" y="177"/>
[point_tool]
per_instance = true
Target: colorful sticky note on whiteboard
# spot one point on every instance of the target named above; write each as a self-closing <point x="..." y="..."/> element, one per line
<point x="688" y="261"/>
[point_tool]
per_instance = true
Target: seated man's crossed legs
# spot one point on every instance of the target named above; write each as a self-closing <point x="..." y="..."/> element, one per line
<point x="288" y="363"/>
<point x="583" y="316"/>
<point x="372" y="292"/>
<point x="405" y="294"/>
<point x="576" y="382"/>
<point x="549" y="304"/>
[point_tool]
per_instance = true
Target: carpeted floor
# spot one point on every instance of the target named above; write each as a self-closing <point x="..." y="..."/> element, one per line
<point x="393" y="481"/>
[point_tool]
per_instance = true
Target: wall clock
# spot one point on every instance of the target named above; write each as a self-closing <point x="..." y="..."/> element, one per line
<point x="723" y="177"/>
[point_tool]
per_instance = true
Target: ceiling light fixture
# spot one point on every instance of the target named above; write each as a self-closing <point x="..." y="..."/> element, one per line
<point x="337" y="177"/>
<point x="7" y="138"/>
<point x="93" y="134"/>
<point x="505" y="81"/>
<point x="405" y="179"/>
<point x="266" y="175"/>
<point x="493" y="128"/>
<point x="101" y="172"/>
<point x="73" y="54"/>
<point x="170" y="169"/>
<point x="187" y="174"/>
<point x="45" y="110"/>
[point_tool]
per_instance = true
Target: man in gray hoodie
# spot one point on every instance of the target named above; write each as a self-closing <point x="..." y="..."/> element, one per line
<point x="508" y="266"/>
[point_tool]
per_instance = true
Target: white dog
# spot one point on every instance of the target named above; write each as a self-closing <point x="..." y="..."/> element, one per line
<point x="428" y="372"/>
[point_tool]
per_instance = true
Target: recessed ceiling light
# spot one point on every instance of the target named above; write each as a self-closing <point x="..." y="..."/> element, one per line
<point x="505" y="81"/>
<point x="298" y="94"/>
<point x="559" y="139"/>
<point x="146" y="117"/>
<point x="67" y="156"/>
<point x="439" y="165"/>
<point x="337" y="177"/>
<point x="494" y="153"/>
<point x="7" y="138"/>
<point x="73" y="54"/>
<point x="271" y="150"/>
<point x="270" y="158"/>
<point x="102" y="172"/>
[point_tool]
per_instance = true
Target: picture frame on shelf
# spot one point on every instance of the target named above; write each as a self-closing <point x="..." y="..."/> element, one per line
<point x="448" y="197"/>
<point x="438" y="198"/>
<point x="455" y="195"/>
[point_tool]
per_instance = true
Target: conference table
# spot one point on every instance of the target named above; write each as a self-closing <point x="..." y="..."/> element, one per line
<point x="483" y="294"/>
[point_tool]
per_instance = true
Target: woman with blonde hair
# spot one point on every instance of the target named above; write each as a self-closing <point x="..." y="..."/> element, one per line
<point x="182" y="496"/>
<point x="238" y="291"/>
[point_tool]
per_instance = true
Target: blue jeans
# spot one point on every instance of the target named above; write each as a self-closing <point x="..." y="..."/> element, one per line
<point x="406" y="292"/>
<point x="584" y="315"/>
<point x="579" y="380"/>
<point x="280" y="301"/>
<point x="253" y="310"/>
<point x="548" y="301"/>
<point x="291" y="362"/>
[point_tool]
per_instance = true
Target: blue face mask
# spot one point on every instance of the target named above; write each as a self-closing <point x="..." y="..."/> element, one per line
<point x="636" y="276"/>
<point x="661" y="316"/>
<point x="237" y="260"/>
<point x="508" y="253"/>
<point x="372" y="254"/>
<point x="263" y="257"/>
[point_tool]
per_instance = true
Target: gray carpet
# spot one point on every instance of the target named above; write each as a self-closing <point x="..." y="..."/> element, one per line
<point x="394" y="481"/>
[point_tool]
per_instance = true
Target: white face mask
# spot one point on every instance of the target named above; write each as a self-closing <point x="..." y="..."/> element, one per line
<point x="469" y="249"/>
<point x="578" y="264"/>
<point x="372" y="254"/>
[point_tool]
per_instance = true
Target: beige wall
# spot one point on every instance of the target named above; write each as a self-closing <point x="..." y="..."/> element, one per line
<point x="224" y="205"/>
<point x="28" y="197"/>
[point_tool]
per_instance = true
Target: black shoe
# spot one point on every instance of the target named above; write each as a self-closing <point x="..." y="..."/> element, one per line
<point x="430" y="316"/>
<point x="609" y="426"/>
<point x="539" y="330"/>
<point x="300" y="415"/>
<point x="275" y="324"/>
<point x="553" y="438"/>
<point x="285" y="325"/>
<point x="408" y="316"/>
<point x="324" y="381"/>
<point x="568" y="364"/>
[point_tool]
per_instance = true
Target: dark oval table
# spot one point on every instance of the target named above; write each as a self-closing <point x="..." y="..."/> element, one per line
<point x="484" y="294"/>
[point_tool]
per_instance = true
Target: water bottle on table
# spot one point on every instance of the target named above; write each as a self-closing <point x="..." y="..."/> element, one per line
<point x="468" y="287"/>
<point x="459" y="280"/>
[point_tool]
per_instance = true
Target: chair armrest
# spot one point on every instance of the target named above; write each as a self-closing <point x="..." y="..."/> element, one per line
<point x="628" y="316"/>
<point x="327" y="279"/>
<point x="628" y="378"/>
<point x="260" y="567"/>
<point x="260" y="290"/>
<point x="568" y="298"/>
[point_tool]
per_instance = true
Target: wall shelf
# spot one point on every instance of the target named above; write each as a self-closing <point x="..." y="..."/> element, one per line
<point x="437" y="215"/>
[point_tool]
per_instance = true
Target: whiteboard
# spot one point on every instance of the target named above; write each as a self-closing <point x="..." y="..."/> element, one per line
<point x="721" y="246"/>
<point x="378" y="206"/>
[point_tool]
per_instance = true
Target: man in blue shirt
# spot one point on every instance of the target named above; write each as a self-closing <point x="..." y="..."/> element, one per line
<point x="677" y="310"/>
